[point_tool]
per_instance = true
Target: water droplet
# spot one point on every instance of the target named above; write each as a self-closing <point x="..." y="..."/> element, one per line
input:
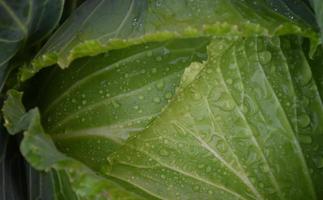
<point x="196" y="96"/>
<point x="141" y="97"/>
<point x="154" y="70"/>
<point x="221" y="146"/>
<point x="304" y="121"/>
<point x="196" y="188"/>
<point x="163" y="152"/>
<point x="115" y="104"/>
<point x="264" y="57"/>
<point x="318" y="162"/>
<point x="84" y="102"/>
<point x="157" y="100"/>
<point x="209" y="71"/>
<point x="229" y="81"/>
<point x="160" y="85"/>
<point x="149" y="53"/>
<point x="159" y="58"/>
<point x="163" y="176"/>
<point x="168" y="95"/>
<point x="136" y="107"/>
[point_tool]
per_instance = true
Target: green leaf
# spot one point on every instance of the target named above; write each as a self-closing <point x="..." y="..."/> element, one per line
<point x="39" y="184"/>
<point x="238" y="131"/>
<point x="318" y="7"/>
<point x="317" y="68"/>
<point x="14" y="112"/>
<point x="24" y="22"/>
<point x="13" y="182"/>
<point x="40" y="151"/>
<point x="67" y="177"/>
<point x="101" y="25"/>
<point x="296" y="10"/>
<point x="99" y="101"/>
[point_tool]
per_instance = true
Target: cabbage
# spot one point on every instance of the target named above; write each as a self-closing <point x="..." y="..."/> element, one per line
<point x="202" y="99"/>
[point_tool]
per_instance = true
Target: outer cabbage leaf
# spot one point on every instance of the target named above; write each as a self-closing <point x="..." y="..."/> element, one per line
<point x="40" y="151"/>
<point x="24" y="22"/>
<point x="71" y="179"/>
<point x="15" y="121"/>
<point x="240" y="130"/>
<point x="318" y="7"/>
<point x="13" y="182"/>
<point x="101" y="25"/>
<point x="296" y="10"/>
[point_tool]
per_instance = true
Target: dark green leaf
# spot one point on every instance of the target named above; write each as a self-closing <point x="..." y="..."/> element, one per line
<point x="318" y="7"/>
<point x="24" y="22"/>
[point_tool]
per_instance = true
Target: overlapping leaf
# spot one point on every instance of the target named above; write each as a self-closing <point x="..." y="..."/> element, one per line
<point x="239" y="131"/>
<point x="98" y="102"/>
<point x="318" y="7"/>
<point x="101" y="25"/>
<point x="72" y="179"/>
<point x="232" y="133"/>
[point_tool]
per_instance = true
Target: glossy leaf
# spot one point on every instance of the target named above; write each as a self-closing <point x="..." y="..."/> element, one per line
<point x="70" y="178"/>
<point x="99" y="101"/>
<point x="24" y="22"/>
<point x="239" y="131"/>
<point x="102" y="25"/>
<point x="40" y="151"/>
<point x="318" y="7"/>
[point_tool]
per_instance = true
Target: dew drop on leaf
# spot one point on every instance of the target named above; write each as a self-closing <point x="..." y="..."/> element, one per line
<point x="304" y="120"/>
<point x="318" y="162"/>
<point x="264" y="57"/>
<point x="159" y="58"/>
<point x="168" y="95"/>
<point x="160" y="85"/>
<point x="157" y="100"/>
<point x="229" y="81"/>
<point x="196" y="188"/>
<point x="149" y="53"/>
<point x="163" y="152"/>
<point x="115" y="104"/>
